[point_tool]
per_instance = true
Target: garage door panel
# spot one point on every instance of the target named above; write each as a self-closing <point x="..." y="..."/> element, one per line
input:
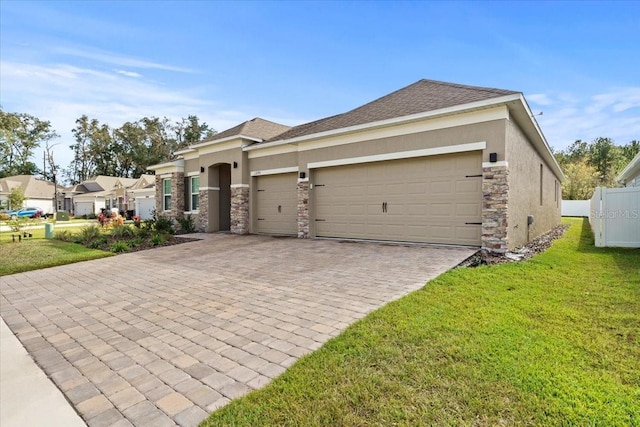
<point x="427" y="199"/>
<point x="277" y="204"/>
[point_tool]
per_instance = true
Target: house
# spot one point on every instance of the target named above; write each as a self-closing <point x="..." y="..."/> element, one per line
<point x="105" y="192"/>
<point x="630" y="175"/>
<point x="433" y="162"/>
<point x="614" y="213"/>
<point x="37" y="192"/>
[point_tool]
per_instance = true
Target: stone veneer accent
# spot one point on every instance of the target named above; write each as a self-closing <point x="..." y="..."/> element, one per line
<point x="495" y="195"/>
<point x="303" y="208"/>
<point x="203" y="211"/>
<point x="177" y="196"/>
<point x="240" y="209"/>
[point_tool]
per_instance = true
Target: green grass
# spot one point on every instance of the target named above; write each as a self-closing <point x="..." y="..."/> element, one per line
<point x="552" y="341"/>
<point x="36" y="253"/>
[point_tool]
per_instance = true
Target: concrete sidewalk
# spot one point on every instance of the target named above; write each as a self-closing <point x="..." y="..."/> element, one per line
<point x="27" y="396"/>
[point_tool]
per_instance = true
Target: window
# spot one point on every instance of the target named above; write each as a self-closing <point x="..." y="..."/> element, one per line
<point x="166" y="192"/>
<point x="195" y="193"/>
<point x="540" y="184"/>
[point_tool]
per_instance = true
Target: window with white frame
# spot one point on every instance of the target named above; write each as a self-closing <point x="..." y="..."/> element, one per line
<point x="195" y="193"/>
<point x="166" y="193"/>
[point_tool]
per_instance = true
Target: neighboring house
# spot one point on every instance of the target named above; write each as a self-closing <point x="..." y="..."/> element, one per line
<point x="433" y="162"/>
<point x="105" y="192"/>
<point x="37" y="192"/>
<point x="630" y="175"/>
<point x="614" y="213"/>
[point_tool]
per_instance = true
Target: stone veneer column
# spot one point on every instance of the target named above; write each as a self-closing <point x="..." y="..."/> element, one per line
<point x="495" y="194"/>
<point x="203" y="211"/>
<point x="177" y="195"/>
<point x="240" y="208"/>
<point x="303" y="208"/>
<point x="159" y="198"/>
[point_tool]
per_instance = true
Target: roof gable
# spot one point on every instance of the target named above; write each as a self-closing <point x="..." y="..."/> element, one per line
<point x="256" y="128"/>
<point x="420" y="97"/>
<point x="32" y="187"/>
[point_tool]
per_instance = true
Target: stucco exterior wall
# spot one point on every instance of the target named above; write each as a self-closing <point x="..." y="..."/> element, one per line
<point x="525" y="199"/>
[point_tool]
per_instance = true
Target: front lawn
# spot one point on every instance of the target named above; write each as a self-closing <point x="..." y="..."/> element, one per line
<point x="550" y="341"/>
<point x="36" y="253"/>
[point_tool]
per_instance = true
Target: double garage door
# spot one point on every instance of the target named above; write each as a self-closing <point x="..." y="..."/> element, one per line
<point x="436" y="199"/>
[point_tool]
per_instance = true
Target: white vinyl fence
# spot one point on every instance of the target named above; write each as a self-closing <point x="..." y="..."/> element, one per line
<point x="615" y="216"/>
<point x="576" y="207"/>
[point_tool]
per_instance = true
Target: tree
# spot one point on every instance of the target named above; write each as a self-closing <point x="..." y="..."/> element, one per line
<point x="581" y="180"/>
<point x="607" y="159"/>
<point x="82" y="166"/>
<point x="20" y="135"/>
<point x="631" y="150"/>
<point x="16" y="198"/>
<point x="189" y="131"/>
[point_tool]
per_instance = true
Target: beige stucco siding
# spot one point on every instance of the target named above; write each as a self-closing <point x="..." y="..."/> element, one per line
<point x="273" y="162"/>
<point x="524" y="190"/>
<point x="239" y="175"/>
<point x="490" y="132"/>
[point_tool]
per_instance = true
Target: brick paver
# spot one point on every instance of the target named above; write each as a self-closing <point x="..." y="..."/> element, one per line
<point x="162" y="337"/>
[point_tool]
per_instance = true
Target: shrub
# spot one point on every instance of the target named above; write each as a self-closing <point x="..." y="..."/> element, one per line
<point x="157" y="239"/>
<point x="118" y="247"/>
<point x="164" y="224"/>
<point x="135" y="242"/>
<point x="97" y="243"/>
<point x="122" y="231"/>
<point x="4" y="216"/>
<point x="187" y="224"/>
<point x="89" y="234"/>
<point x="91" y="216"/>
<point x="143" y="232"/>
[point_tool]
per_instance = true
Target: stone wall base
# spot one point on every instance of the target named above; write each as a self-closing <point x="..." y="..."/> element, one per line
<point x="203" y="214"/>
<point x="240" y="209"/>
<point x="303" y="209"/>
<point x="495" y="220"/>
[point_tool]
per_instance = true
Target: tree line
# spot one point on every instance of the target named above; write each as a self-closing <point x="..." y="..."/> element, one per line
<point x="98" y="149"/>
<point x="587" y="165"/>
<point x="129" y="150"/>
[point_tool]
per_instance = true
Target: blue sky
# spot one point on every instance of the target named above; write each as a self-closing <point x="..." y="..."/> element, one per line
<point x="292" y="62"/>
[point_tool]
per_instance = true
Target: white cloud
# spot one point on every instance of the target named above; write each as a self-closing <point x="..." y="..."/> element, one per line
<point x="117" y="59"/>
<point x="128" y="73"/>
<point x="567" y="117"/>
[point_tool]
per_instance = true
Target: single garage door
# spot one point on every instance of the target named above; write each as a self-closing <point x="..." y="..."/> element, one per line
<point x="145" y="206"/>
<point x="436" y="199"/>
<point x="277" y="204"/>
<point x="84" y="208"/>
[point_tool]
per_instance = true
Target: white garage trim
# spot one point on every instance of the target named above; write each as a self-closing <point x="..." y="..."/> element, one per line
<point x="239" y="186"/>
<point x="210" y="188"/>
<point x="274" y="171"/>
<point x="460" y="148"/>
<point x="500" y="163"/>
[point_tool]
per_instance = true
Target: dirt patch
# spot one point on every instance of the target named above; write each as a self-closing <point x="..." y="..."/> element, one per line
<point x="536" y="246"/>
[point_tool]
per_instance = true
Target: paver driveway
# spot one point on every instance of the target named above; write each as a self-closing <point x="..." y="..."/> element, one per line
<point x="163" y="337"/>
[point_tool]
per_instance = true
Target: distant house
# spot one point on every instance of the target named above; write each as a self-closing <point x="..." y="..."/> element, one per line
<point x="37" y="192"/>
<point x="630" y="175"/>
<point x="106" y="192"/>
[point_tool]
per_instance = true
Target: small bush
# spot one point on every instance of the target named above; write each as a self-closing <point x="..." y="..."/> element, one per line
<point x="118" y="247"/>
<point x="98" y="243"/>
<point x="187" y="224"/>
<point x="157" y="239"/>
<point x="143" y="232"/>
<point x="122" y="231"/>
<point x="135" y="242"/>
<point x="89" y="234"/>
<point x="4" y="217"/>
<point x="92" y="216"/>
<point x="164" y="224"/>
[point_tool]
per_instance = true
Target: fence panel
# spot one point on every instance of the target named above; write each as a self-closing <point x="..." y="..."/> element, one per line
<point x="615" y="217"/>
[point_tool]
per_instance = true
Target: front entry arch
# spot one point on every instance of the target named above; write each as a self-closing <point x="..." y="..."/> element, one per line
<point x="219" y="200"/>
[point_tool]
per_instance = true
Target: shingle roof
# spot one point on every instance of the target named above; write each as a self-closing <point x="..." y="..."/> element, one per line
<point x="419" y="97"/>
<point x="32" y="187"/>
<point x="256" y="128"/>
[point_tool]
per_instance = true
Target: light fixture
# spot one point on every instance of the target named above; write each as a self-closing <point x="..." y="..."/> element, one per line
<point x="201" y="169"/>
<point x="493" y="157"/>
<point x="303" y="175"/>
<point x="235" y="165"/>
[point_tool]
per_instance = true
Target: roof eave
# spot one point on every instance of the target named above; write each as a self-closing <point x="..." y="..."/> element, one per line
<point x="632" y="168"/>
<point x="221" y="140"/>
<point x="391" y="122"/>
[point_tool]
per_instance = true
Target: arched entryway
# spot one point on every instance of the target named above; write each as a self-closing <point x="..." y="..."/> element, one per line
<point x="219" y="200"/>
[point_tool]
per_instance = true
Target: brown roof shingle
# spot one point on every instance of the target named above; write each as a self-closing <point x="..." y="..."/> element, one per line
<point x="422" y="96"/>
<point x="256" y="128"/>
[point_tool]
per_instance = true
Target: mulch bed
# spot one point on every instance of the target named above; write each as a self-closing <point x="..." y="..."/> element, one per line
<point x="536" y="246"/>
